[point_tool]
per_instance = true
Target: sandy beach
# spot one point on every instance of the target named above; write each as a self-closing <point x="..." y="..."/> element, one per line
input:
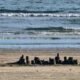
<point x="38" y="72"/>
<point x="11" y="55"/>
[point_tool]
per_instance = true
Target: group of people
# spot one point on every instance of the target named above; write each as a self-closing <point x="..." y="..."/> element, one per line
<point x="51" y="61"/>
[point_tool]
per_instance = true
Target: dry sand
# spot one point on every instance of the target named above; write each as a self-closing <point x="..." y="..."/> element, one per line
<point x="39" y="72"/>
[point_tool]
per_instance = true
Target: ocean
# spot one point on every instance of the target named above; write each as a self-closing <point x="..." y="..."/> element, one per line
<point x="26" y="24"/>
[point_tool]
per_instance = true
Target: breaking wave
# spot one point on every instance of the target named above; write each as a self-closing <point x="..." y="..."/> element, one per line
<point x="41" y="14"/>
<point x="23" y="13"/>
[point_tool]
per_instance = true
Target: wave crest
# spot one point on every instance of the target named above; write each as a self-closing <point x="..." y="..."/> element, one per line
<point x="41" y="14"/>
<point x="6" y="12"/>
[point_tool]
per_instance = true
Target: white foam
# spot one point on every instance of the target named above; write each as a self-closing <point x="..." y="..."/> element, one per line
<point x="41" y="14"/>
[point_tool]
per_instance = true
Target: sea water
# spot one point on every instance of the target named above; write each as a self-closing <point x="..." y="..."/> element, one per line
<point x="39" y="24"/>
